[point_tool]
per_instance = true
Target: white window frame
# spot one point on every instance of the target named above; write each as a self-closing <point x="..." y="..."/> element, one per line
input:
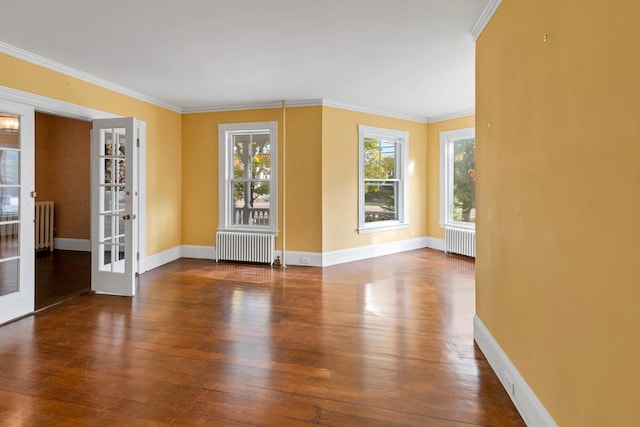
<point x="447" y="139"/>
<point x="402" y="160"/>
<point x="225" y="172"/>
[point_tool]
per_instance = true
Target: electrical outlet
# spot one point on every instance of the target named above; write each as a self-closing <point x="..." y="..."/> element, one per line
<point x="304" y="261"/>
<point x="508" y="384"/>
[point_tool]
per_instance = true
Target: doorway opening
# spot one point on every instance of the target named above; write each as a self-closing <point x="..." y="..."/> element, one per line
<point x="62" y="176"/>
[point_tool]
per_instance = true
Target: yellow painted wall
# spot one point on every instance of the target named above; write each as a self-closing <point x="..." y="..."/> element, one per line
<point x="433" y="170"/>
<point x="558" y="283"/>
<point x="164" y="154"/>
<point x="340" y="179"/>
<point x="303" y="196"/>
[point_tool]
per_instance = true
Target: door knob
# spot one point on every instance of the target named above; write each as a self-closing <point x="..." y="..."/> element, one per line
<point x="126" y="217"/>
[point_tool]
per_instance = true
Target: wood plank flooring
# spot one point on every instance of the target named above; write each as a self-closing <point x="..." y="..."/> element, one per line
<point x="60" y="275"/>
<point x="381" y="342"/>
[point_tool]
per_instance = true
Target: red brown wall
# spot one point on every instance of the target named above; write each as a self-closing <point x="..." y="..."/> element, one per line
<point x="62" y="172"/>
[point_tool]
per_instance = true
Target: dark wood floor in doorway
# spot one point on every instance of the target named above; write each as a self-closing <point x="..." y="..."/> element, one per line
<point x="381" y="342"/>
<point x="61" y="275"/>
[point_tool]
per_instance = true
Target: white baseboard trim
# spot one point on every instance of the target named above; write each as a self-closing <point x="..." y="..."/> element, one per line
<point x="311" y="259"/>
<point x="435" y="243"/>
<point x="364" y="252"/>
<point x="306" y="259"/>
<point x="525" y="400"/>
<point x="65" y="244"/>
<point x="204" y="252"/>
<point x="156" y="260"/>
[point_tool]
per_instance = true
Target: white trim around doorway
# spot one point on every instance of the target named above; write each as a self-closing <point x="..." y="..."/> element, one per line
<point x="56" y="107"/>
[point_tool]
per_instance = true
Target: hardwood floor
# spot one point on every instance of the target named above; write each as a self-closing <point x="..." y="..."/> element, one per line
<point x="60" y="275"/>
<point x="381" y="342"/>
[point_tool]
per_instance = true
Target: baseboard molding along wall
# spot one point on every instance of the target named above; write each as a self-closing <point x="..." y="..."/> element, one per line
<point x="156" y="260"/>
<point x="364" y="252"/>
<point x="202" y="252"/>
<point x="527" y="403"/>
<point x="435" y="243"/>
<point x="64" y="244"/>
<point x="311" y="259"/>
<point x="307" y="259"/>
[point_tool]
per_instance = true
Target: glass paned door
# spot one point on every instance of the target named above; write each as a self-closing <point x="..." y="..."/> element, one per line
<point x="16" y="211"/>
<point x="114" y="205"/>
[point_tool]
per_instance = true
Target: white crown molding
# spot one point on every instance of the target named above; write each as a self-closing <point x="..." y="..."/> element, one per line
<point x="81" y="75"/>
<point x="253" y="106"/>
<point x="418" y="119"/>
<point x="299" y="103"/>
<point x="451" y="116"/>
<point x="527" y="403"/>
<point x="485" y="17"/>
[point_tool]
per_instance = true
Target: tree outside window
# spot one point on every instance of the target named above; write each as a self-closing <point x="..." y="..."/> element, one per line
<point x="383" y="158"/>
<point x="464" y="180"/>
<point x="458" y="178"/>
<point x="248" y="173"/>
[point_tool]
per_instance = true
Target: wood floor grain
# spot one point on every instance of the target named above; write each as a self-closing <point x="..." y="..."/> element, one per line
<point x="381" y="342"/>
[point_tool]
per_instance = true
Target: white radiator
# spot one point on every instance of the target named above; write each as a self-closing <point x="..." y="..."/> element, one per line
<point x="460" y="241"/>
<point x="44" y="226"/>
<point x="246" y="247"/>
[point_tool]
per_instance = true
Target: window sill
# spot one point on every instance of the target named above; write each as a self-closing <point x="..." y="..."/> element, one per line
<point x="380" y="228"/>
<point x="460" y="225"/>
<point x="249" y="230"/>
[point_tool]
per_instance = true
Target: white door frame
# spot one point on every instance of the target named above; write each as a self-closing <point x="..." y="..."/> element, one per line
<point x="66" y="109"/>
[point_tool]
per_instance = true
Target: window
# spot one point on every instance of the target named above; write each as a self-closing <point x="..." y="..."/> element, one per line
<point x="382" y="179"/>
<point x="248" y="165"/>
<point x="458" y="178"/>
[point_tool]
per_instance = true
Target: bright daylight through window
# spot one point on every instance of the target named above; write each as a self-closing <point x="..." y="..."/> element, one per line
<point x="248" y="176"/>
<point x="458" y="178"/>
<point x="383" y="179"/>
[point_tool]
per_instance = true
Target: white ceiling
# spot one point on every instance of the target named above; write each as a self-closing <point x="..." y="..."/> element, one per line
<point x="403" y="57"/>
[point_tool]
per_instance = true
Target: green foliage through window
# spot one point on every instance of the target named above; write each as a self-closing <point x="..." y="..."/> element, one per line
<point x="380" y="179"/>
<point x="464" y="180"/>
<point x="251" y="176"/>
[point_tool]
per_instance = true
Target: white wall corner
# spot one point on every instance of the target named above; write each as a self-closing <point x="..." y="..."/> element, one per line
<point x="202" y="252"/>
<point x="527" y="403"/>
<point x="435" y="243"/>
<point x="365" y="252"/>
<point x="156" y="260"/>
<point x="65" y="244"/>
<point x="484" y="18"/>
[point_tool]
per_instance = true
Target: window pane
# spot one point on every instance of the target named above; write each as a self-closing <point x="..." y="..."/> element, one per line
<point x="9" y="130"/>
<point x="380" y="201"/>
<point x="241" y="155"/>
<point x="9" y="167"/>
<point x="251" y="156"/>
<point x="9" y="240"/>
<point x="379" y="159"/>
<point x="261" y="164"/>
<point x="9" y="203"/>
<point x="9" y="276"/>
<point x="464" y="180"/>
<point x="252" y="203"/>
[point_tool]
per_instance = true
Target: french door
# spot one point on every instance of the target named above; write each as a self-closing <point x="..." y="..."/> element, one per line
<point x="16" y="210"/>
<point x="114" y="205"/>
